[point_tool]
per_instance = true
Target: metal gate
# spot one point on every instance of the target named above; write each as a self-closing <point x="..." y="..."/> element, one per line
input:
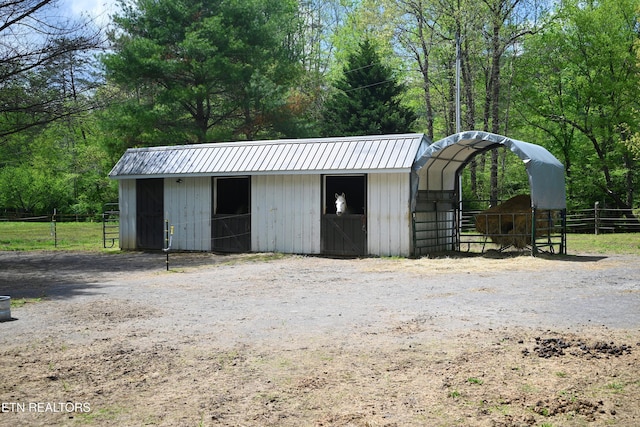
<point x="435" y="225"/>
<point x="344" y="235"/>
<point x="110" y="225"/>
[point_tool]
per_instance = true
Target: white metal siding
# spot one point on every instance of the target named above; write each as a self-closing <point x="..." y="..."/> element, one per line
<point x="187" y="206"/>
<point x="285" y="213"/>
<point x="127" y="207"/>
<point x="388" y="214"/>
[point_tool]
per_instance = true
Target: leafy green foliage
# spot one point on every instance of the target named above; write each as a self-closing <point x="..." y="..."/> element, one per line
<point x="62" y="167"/>
<point x="579" y="84"/>
<point x="187" y="71"/>
<point x="190" y="70"/>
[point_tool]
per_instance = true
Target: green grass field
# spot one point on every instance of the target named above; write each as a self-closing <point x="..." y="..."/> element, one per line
<point x="87" y="236"/>
<point x="31" y="236"/>
<point x="621" y="243"/>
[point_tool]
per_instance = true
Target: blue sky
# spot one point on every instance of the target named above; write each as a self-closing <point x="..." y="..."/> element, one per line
<point x="98" y="9"/>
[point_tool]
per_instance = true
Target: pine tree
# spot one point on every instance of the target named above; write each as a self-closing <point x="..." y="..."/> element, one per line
<point x="366" y="99"/>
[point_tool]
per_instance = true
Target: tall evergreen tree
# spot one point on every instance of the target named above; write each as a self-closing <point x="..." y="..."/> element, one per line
<point x="198" y="71"/>
<point x="366" y="100"/>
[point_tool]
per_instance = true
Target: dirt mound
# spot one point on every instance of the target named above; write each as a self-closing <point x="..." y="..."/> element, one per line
<point x="556" y="347"/>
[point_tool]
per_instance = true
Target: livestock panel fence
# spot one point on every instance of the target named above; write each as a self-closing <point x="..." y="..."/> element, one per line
<point x="60" y="231"/>
<point x="603" y="220"/>
<point x="99" y="231"/>
<point x="596" y="220"/>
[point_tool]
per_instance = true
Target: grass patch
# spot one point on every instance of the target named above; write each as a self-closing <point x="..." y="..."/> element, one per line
<point x="100" y="414"/>
<point x="619" y="243"/>
<point x="21" y="302"/>
<point x="32" y="236"/>
<point x="87" y="236"/>
<point x="616" y="387"/>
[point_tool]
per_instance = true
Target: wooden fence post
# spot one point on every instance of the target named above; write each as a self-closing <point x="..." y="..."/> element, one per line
<point x="596" y="219"/>
<point x="54" y="229"/>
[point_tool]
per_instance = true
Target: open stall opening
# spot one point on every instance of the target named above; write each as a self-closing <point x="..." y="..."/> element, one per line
<point x="354" y="188"/>
<point x="345" y="235"/>
<point x="231" y="221"/>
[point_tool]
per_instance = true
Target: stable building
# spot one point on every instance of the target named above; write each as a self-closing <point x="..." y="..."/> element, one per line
<point x="279" y="196"/>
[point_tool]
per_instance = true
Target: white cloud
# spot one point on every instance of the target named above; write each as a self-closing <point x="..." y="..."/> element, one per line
<point x="100" y="10"/>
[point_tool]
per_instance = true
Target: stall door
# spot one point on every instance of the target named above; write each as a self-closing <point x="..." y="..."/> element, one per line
<point x="231" y="221"/>
<point x="149" y="212"/>
<point x="345" y="234"/>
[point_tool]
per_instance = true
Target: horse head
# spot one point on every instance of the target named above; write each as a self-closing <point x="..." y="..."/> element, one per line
<point x="341" y="204"/>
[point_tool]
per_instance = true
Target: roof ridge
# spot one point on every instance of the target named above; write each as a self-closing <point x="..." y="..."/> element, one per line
<point x="277" y="141"/>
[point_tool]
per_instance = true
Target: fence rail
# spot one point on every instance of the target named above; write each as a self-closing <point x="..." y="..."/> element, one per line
<point x="63" y="231"/>
<point x="602" y="220"/>
<point x="71" y="231"/>
<point x="513" y="230"/>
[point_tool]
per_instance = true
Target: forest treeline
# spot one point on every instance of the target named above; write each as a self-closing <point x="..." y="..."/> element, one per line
<point x="74" y="95"/>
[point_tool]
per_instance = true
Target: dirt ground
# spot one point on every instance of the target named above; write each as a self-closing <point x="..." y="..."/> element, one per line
<point x="113" y="339"/>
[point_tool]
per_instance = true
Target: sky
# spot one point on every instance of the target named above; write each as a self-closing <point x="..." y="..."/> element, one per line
<point x="98" y="9"/>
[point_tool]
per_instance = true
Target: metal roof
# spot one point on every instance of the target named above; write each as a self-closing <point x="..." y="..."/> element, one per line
<point x="361" y="154"/>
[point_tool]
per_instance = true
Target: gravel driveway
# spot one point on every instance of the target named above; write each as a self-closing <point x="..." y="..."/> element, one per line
<point x="268" y="297"/>
<point x="254" y="302"/>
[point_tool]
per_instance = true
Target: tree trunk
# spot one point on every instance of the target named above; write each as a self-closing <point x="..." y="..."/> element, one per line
<point x="494" y="102"/>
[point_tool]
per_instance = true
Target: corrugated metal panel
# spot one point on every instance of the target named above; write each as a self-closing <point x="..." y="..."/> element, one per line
<point x="286" y="213"/>
<point x="127" y="206"/>
<point x="187" y="207"/>
<point x="388" y="214"/>
<point x="320" y="155"/>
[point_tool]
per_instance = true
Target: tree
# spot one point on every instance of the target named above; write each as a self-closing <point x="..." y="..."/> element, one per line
<point x="46" y="85"/>
<point x="192" y="71"/>
<point x="580" y="85"/>
<point x="508" y="21"/>
<point x="35" y="40"/>
<point x="366" y="100"/>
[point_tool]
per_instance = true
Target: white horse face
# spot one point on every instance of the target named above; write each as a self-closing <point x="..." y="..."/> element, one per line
<point x="341" y="204"/>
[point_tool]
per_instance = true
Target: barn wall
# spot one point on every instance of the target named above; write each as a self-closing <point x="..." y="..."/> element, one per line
<point x="127" y="207"/>
<point x="188" y="209"/>
<point x="388" y="214"/>
<point x="285" y="213"/>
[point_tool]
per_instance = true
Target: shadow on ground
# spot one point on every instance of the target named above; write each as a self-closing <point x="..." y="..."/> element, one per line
<point x="58" y="274"/>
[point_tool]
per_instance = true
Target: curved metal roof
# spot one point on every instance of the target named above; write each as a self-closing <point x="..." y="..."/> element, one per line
<point x="361" y="154"/>
<point x="443" y="160"/>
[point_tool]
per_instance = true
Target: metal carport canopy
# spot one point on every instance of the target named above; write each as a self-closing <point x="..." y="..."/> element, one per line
<point x="443" y="161"/>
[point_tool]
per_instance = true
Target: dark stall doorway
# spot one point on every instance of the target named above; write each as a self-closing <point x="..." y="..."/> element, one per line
<point x="149" y="213"/>
<point x="231" y="220"/>
<point x="344" y="235"/>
